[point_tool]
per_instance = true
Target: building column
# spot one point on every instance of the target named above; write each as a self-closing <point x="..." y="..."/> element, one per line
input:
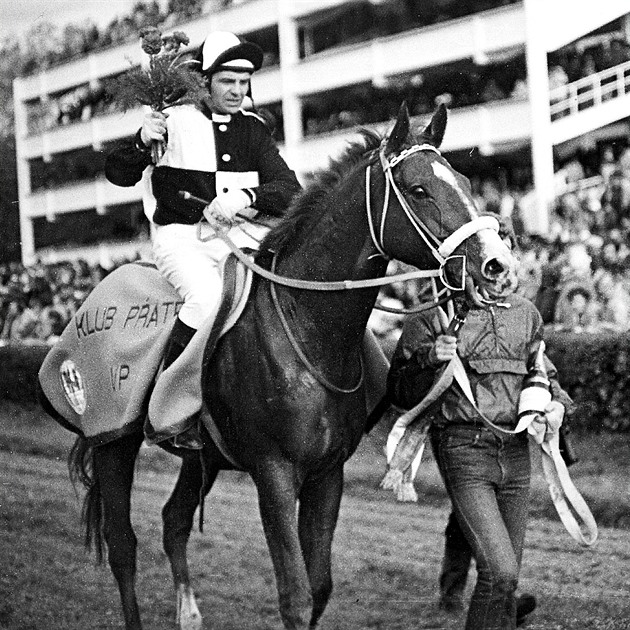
<point x="538" y="85"/>
<point x="27" y="235"/>
<point x="289" y="58"/>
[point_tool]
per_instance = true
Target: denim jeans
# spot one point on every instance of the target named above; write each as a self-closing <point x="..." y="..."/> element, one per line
<point x="488" y="478"/>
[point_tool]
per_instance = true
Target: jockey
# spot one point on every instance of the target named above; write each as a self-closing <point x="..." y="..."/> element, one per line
<point x="217" y="152"/>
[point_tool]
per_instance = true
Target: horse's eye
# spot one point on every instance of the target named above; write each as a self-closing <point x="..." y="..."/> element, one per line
<point x="418" y="192"/>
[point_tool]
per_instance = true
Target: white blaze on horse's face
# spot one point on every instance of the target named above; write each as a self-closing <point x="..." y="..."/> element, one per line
<point x="442" y="172"/>
<point x="494" y="258"/>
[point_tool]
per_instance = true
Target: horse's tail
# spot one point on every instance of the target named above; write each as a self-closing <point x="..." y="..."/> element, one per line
<point x="80" y="466"/>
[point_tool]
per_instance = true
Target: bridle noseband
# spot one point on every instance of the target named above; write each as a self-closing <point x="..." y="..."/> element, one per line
<point x="442" y="251"/>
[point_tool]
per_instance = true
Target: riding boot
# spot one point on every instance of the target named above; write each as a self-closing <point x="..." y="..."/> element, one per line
<point x="190" y="438"/>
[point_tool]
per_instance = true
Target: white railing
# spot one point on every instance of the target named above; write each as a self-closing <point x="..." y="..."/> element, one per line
<point x="590" y="91"/>
<point x="582" y="186"/>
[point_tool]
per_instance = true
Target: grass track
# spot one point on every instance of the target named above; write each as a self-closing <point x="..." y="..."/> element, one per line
<point x="386" y="554"/>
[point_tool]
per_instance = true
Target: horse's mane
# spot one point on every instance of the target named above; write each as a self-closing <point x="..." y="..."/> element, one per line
<point x="308" y="206"/>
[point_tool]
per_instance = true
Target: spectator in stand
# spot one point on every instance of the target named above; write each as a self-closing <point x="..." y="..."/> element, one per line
<point x="558" y="80"/>
<point x="492" y="91"/>
<point x="619" y="52"/>
<point x="534" y="256"/>
<point x="520" y="91"/>
<point x="614" y="300"/>
<point x="608" y="164"/>
<point x="576" y="308"/>
<point x="615" y="214"/>
<point x="569" y="221"/>
<point x="568" y="263"/>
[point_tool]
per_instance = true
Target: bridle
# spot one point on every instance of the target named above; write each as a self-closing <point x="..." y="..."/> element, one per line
<point x="442" y="251"/>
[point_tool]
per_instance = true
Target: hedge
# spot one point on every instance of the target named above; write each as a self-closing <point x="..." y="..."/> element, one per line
<point x="19" y="364"/>
<point x="593" y="367"/>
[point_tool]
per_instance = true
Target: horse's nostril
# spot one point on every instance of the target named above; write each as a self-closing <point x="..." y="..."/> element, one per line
<point x="493" y="268"/>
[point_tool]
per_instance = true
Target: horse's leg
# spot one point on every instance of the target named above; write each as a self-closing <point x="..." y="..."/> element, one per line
<point x="277" y="497"/>
<point x="114" y="468"/>
<point x="177" y="516"/>
<point x="320" y="499"/>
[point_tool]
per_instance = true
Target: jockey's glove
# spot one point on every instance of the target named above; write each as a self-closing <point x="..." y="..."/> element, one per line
<point x="225" y="206"/>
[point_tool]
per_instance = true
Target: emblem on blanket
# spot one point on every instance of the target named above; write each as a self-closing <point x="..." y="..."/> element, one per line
<point x="72" y="383"/>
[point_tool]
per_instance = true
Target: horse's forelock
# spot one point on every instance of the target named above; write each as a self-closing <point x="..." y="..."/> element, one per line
<point x="309" y="205"/>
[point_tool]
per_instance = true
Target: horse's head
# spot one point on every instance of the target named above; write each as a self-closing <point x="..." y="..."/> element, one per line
<point x="426" y="215"/>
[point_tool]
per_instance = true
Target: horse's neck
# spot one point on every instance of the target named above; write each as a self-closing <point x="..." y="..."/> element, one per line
<point x="337" y="248"/>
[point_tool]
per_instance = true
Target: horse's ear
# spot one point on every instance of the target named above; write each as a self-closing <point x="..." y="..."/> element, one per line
<point x="434" y="131"/>
<point x="399" y="133"/>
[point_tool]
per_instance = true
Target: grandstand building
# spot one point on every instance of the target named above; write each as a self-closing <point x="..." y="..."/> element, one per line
<point x="332" y="66"/>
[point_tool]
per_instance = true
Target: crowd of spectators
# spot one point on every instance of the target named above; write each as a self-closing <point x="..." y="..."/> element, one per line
<point x="38" y="301"/>
<point x="47" y="47"/>
<point x="578" y="274"/>
<point x="455" y="86"/>
<point x="579" y="63"/>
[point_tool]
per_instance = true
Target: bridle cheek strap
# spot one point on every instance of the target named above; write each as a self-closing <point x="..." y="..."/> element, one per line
<point x="441" y="252"/>
<point x="452" y="242"/>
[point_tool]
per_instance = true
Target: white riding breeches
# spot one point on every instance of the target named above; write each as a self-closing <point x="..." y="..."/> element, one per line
<point x="193" y="266"/>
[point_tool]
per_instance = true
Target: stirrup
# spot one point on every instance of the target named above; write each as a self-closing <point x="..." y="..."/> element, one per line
<point x="189" y="439"/>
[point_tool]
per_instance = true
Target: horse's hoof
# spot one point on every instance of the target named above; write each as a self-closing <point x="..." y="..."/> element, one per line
<point x="188" y="615"/>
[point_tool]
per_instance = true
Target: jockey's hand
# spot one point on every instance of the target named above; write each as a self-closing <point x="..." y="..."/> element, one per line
<point x="444" y="349"/>
<point x="225" y="206"/>
<point x="554" y="415"/>
<point x="153" y="127"/>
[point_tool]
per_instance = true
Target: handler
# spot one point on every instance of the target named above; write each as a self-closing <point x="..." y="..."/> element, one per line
<point x="220" y="153"/>
<point x="486" y="473"/>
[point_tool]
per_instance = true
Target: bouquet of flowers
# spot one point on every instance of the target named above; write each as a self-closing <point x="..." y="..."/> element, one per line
<point x="168" y="80"/>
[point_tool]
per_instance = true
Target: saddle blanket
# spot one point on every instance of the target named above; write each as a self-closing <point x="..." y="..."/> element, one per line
<point x="101" y="374"/>
<point x="97" y="375"/>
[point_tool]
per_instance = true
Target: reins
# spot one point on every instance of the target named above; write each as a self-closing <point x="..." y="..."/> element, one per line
<point x="310" y="285"/>
<point x="302" y="355"/>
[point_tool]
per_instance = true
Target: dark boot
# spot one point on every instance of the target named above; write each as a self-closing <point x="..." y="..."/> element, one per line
<point x="525" y="605"/>
<point x="180" y="336"/>
<point x="455" y="565"/>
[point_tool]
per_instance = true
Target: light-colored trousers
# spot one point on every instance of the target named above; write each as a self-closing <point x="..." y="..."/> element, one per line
<point x="193" y="266"/>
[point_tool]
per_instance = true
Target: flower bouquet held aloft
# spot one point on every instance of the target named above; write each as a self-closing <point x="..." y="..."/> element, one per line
<point x="168" y="80"/>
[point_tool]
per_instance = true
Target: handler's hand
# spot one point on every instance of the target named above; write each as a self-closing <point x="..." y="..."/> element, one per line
<point x="444" y="349"/>
<point x="153" y="127"/>
<point x="225" y="206"/>
<point x="554" y="415"/>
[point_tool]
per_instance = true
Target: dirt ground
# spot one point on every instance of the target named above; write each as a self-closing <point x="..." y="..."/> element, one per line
<point x="386" y="554"/>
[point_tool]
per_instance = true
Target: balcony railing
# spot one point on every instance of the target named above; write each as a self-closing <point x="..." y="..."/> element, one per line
<point x="590" y="91"/>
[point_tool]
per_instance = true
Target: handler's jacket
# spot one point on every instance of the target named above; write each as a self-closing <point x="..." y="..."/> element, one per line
<point x="206" y="153"/>
<point x="494" y="345"/>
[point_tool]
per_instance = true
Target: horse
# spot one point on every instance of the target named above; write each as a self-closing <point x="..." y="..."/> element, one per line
<point x="285" y="385"/>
